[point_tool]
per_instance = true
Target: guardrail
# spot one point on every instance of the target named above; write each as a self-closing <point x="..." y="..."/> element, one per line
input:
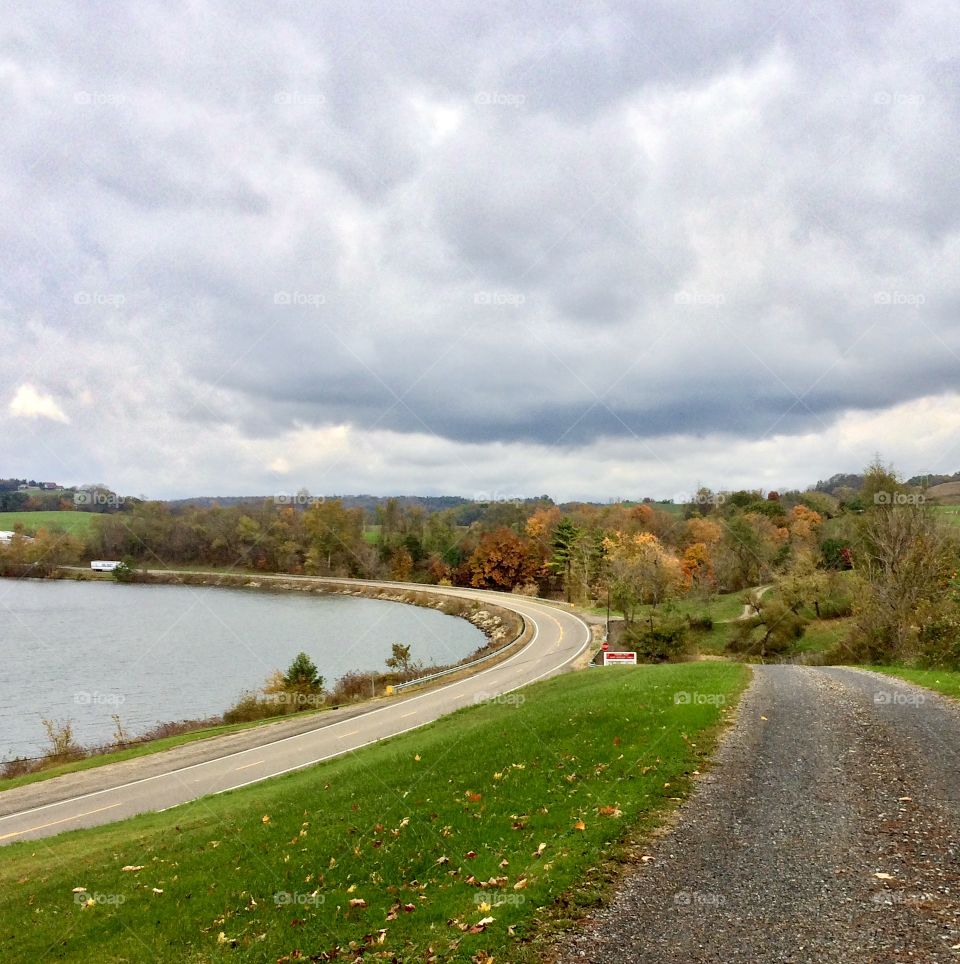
<point x="420" y="680"/>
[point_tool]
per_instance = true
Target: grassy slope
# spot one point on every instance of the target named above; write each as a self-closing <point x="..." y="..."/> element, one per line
<point x="77" y="523"/>
<point x="943" y="681"/>
<point x="392" y="824"/>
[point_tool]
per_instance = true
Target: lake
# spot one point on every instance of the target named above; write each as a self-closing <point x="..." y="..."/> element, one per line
<point x="85" y="650"/>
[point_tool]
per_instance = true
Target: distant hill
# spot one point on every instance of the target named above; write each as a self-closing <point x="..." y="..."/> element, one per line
<point x="430" y="503"/>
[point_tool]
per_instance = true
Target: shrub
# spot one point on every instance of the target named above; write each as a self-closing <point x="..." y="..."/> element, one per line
<point x="664" y="638"/>
<point x="701" y="622"/>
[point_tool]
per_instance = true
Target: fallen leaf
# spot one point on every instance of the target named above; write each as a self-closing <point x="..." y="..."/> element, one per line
<point x="470" y="854"/>
<point x="265" y="818"/>
<point x="131" y="867"/>
<point x="884" y="876"/>
<point x="358" y="902"/>
<point x="579" y="825"/>
<point x="79" y="890"/>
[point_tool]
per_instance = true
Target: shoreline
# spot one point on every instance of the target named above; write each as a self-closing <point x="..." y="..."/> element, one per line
<point x="502" y="629"/>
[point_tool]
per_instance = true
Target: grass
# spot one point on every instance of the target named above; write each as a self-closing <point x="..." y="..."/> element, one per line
<point x="76" y="523"/>
<point x="379" y="850"/>
<point x="129" y="753"/>
<point x="948" y="513"/>
<point x="942" y="680"/>
<point x="726" y="606"/>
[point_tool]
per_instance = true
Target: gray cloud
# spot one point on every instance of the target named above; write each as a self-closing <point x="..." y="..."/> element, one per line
<point x="543" y="226"/>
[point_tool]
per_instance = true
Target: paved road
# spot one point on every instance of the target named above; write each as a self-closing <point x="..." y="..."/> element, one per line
<point x="828" y="831"/>
<point x="69" y="802"/>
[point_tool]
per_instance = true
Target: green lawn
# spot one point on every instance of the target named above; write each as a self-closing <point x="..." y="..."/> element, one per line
<point x="942" y="680"/>
<point x="726" y="606"/>
<point x="77" y="523"/>
<point x="453" y="837"/>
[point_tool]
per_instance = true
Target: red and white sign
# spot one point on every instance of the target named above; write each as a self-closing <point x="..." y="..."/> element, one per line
<point x="619" y="659"/>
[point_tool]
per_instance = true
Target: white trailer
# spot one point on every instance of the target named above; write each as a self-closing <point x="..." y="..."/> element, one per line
<point x="104" y="565"/>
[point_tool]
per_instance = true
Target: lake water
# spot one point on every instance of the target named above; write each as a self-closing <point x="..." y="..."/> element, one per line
<point x="82" y="651"/>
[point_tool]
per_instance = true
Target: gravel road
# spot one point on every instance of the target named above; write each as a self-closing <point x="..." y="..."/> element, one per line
<point x="827" y="831"/>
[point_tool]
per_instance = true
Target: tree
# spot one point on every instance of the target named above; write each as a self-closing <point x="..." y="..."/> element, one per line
<point x="500" y="561"/>
<point x="566" y="535"/>
<point x="303" y="679"/>
<point x="906" y="563"/>
<point x="400" y="658"/>
<point x="803" y="584"/>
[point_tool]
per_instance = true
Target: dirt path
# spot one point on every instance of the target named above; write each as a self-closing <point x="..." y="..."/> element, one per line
<point x="828" y="831"/>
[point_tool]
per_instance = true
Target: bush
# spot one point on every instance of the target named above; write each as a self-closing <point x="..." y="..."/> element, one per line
<point x="354" y="686"/>
<point x="668" y="637"/>
<point x="701" y="622"/>
<point x="774" y="631"/>
<point x="836" y="607"/>
<point x="251" y="707"/>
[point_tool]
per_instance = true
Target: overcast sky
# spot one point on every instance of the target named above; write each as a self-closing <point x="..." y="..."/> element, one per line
<point x="598" y="250"/>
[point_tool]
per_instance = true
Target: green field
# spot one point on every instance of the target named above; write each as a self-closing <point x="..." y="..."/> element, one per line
<point x="719" y="608"/>
<point x="942" y="680"/>
<point x="949" y="513"/>
<point x="76" y="523"/>
<point x="468" y="836"/>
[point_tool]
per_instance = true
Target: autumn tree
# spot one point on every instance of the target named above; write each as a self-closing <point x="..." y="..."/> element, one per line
<point x="500" y="561"/>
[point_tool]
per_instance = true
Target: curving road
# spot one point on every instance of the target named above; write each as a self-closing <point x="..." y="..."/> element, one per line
<point x="103" y="795"/>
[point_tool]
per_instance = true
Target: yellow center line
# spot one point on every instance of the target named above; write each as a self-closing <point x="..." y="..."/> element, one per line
<point x="18" y="833"/>
<point x="345" y="735"/>
<point x="403" y="716"/>
<point x="247" y="766"/>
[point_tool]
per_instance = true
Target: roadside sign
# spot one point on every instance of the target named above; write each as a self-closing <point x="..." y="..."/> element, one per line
<point x="619" y="659"/>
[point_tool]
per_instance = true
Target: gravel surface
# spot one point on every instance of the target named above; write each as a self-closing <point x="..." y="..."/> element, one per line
<point x="827" y="831"/>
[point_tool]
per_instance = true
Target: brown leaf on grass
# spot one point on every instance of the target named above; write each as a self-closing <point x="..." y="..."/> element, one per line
<point x="610" y="811"/>
<point x="131" y="867"/>
<point x="474" y="797"/>
<point x="443" y="860"/>
<point x="79" y="890"/>
<point x="481" y="925"/>
<point x="470" y="854"/>
<point x="358" y="902"/>
<point x="265" y="818"/>
<point x="520" y="884"/>
<point x="579" y="825"/>
<point x="616" y="741"/>
<point x="539" y="851"/>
